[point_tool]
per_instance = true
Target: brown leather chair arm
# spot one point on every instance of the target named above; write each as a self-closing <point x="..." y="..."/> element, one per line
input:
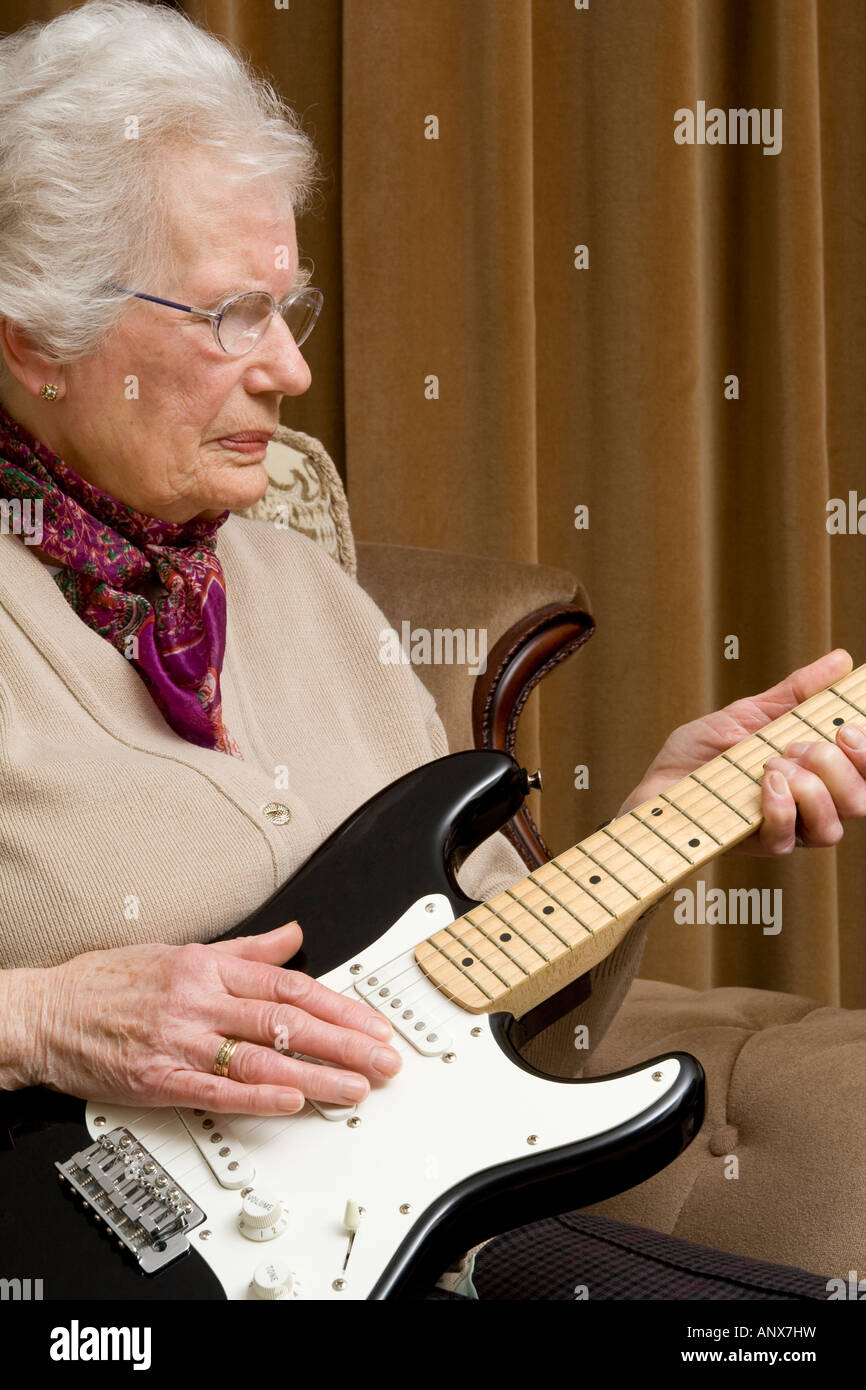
<point x="521" y="658"/>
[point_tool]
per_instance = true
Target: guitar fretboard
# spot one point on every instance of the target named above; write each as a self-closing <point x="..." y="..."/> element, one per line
<point x="514" y="951"/>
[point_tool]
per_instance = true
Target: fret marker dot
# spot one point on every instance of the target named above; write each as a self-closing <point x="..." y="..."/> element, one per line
<point x="694" y="842"/>
<point x="596" y="878"/>
<point x="506" y="936"/>
<point x="657" y="811"/>
<point x="467" y="960"/>
<point x="838" y="721"/>
<point x="547" y="909"/>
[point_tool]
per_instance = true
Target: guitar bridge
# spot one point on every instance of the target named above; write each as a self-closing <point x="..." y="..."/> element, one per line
<point x="134" y="1197"/>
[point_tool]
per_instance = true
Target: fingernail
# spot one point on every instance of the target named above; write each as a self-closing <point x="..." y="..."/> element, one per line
<point x="354" y="1088"/>
<point x="776" y="782"/>
<point x="378" y="1028"/>
<point x="854" y="736"/>
<point x="795" y="749"/>
<point x="386" y="1061"/>
<point x="291" y="1102"/>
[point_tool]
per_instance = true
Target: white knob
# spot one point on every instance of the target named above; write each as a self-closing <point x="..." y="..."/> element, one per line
<point x="262" y="1216"/>
<point x="273" y="1279"/>
<point x="352" y="1216"/>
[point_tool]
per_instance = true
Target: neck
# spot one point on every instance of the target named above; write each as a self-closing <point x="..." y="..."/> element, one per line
<point x="513" y="952"/>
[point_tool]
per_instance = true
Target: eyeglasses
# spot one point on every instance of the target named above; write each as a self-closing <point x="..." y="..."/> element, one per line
<point x="239" y="321"/>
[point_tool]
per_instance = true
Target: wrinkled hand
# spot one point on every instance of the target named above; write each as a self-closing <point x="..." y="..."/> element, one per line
<point x="143" y="1025"/>
<point x="806" y="793"/>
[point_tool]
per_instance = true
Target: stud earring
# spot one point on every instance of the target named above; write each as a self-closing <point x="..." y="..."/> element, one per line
<point x="50" y="392"/>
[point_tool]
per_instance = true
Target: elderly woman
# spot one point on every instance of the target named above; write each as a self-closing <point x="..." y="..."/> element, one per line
<point x="161" y="660"/>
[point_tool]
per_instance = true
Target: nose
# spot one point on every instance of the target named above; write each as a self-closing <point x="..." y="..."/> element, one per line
<point x="277" y="363"/>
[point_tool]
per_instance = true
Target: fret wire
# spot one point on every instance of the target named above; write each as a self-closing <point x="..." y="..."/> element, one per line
<point x="637" y="896"/>
<point x="517" y="932"/>
<point x="837" y="690"/>
<point x="633" y="852"/>
<point x="818" y="702"/>
<point x="478" y="927"/>
<point x="511" y="927"/>
<point x="651" y="828"/>
<point x="745" y="774"/>
<point x="804" y="720"/>
<point x="795" y="713"/>
<point x="719" y="797"/>
<point x="694" y="820"/>
<point x="582" y="886"/>
<point x="730" y="805"/>
<point x="542" y="920"/>
<point x="471" y="949"/>
<point x="668" y="842"/>
<point x="565" y="907"/>
<point x="461" y="970"/>
<point x="847" y="699"/>
<point x="858" y="671"/>
<point x="759" y="733"/>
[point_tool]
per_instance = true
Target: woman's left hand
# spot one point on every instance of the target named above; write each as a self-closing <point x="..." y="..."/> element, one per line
<point x="806" y="793"/>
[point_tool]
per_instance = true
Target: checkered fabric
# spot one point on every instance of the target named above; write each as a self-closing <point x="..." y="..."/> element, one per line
<point x="560" y="1257"/>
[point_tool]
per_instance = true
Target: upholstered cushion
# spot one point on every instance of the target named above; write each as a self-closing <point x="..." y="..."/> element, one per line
<point x="480" y="595"/>
<point x="306" y="494"/>
<point x="777" y="1171"/>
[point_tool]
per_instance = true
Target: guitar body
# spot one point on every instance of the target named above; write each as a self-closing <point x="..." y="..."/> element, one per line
<point x="367" y="1202"/>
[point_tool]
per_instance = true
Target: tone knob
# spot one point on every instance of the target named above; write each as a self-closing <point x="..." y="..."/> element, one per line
<point x="262" y="1216"/>
<point x="273" y="1279"/>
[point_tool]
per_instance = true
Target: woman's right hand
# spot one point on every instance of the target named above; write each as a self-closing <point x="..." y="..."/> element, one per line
<point x="143" y="1024"/>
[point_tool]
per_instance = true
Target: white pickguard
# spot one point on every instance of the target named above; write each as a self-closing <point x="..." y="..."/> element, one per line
<point x="430" y="1127"/>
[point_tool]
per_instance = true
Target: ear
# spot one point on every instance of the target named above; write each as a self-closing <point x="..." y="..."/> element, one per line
<point x="26" y="362"/>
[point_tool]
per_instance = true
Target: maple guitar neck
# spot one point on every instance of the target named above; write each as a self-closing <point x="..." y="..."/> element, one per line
<point x="512" y="952"/>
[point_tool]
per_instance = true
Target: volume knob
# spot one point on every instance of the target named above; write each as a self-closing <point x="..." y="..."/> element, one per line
<point x="273" y="1279"/>
<point x="262" y="1216"/>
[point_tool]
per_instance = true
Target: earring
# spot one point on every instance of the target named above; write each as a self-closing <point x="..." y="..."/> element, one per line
<point x="50" y="392"/>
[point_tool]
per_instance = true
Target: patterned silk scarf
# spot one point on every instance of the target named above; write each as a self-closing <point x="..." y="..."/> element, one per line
<point x="109" y="552"/>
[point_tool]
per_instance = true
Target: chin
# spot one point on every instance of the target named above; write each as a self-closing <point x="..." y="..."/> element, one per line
<point x="246" y="485"/>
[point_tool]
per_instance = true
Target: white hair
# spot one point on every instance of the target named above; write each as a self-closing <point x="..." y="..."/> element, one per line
<point x="82" y="204"/>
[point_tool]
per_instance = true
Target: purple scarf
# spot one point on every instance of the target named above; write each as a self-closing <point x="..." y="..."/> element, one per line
<point x="109" y="551"/>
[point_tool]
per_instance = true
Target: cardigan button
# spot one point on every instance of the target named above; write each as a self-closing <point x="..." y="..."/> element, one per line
<point x="277" y="813"/>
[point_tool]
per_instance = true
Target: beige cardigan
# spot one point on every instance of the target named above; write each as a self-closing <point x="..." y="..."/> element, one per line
<point x="114" y="829"/>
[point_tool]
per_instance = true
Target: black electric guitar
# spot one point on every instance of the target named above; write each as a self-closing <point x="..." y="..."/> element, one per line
<point x="374" y="1201"/>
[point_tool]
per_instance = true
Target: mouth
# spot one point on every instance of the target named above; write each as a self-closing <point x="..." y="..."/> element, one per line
<point x="252" y="443"/>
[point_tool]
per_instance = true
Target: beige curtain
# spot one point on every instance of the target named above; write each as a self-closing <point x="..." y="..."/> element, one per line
<point x="477" y="386"/>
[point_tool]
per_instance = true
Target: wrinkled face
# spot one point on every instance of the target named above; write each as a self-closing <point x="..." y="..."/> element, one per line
<point x="167" y="452"/>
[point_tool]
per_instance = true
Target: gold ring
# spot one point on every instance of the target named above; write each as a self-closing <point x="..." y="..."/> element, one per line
<point x="224" y="1056"/>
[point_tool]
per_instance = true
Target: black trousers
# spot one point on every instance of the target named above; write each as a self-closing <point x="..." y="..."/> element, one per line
<point x="582" y="1255"/>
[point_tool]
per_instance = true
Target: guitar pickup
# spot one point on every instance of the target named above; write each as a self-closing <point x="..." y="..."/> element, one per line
<point x="220" y="1148"/>
<point x="409" y="1002"/>
<point x="134" y="1198"/>
<point x="328" y="1109"/>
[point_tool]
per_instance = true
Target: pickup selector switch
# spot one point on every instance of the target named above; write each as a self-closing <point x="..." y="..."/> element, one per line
<point x="262" y="1216"/>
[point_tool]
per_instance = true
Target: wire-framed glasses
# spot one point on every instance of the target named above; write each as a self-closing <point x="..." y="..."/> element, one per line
<point x="239" y="321"/>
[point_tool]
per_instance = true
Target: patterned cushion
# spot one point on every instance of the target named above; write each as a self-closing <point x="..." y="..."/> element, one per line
<point x="306" y="494"/>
